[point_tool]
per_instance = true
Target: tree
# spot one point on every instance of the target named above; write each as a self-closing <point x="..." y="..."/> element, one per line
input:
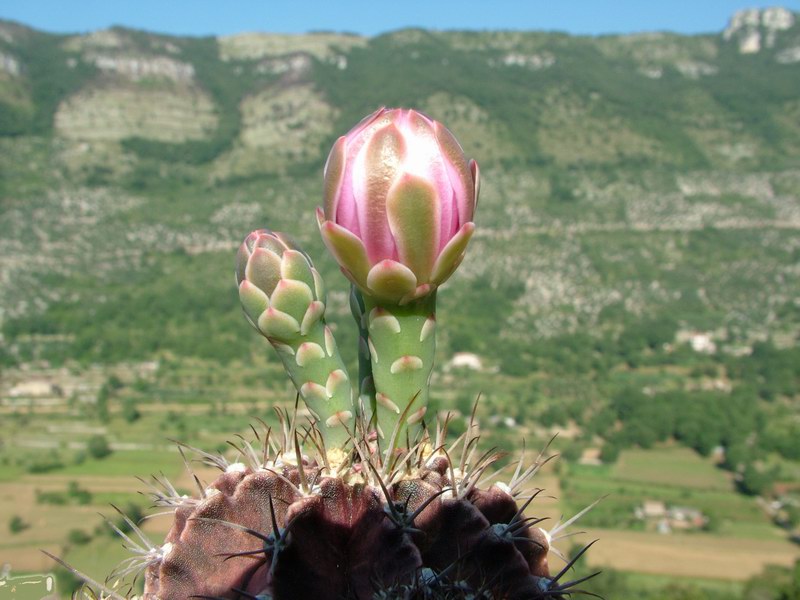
<point x="555" y="414"/>
<point x="754" y="481"/>
<point x="78" y="537"/>
<point x="610" y="452"/>
<point x="102" y="403"/>
<point x="735" y="455"/>
<point x="98" y="447"/>
<point x="17" y="525"/>
<point x="129" y="411"/>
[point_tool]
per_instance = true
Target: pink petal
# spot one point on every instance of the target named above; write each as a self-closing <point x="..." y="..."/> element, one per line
<point x="374" y="172"/>
<point x="458" y="172"/>
<point x="333" y="176"/>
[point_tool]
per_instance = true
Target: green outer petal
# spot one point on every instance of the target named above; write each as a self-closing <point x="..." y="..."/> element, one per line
<point x="263" y="270"/>
<point x="254" y="301"/>
<point x="314" y="312"/>
<point x="347" y="249"/>
<point x="451" y="254"/>
<point x="319" y="285"/>
<point x="391" y="280"/>
<point x="242" y="255"/>
<point x="422" y="290"/>
<point x="414" y="215"/>
<point x="278" y="325"/>
<point x="292" y="297"/>
<point x="271" y="241"/>
<point x="289" y="243"/>
<point x="295" y="265"/>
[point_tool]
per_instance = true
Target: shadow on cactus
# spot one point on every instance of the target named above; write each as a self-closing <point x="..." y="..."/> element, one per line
<point x="362" y="500"/>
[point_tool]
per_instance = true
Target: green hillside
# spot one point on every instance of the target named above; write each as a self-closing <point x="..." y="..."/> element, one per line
<point x="633" y="278"/>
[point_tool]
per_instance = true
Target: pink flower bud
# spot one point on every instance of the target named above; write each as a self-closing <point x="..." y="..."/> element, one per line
<point x="399" y="201"/>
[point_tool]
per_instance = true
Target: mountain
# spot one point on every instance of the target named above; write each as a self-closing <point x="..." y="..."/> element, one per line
<point x="634" y="279"/>
<point x="629" y="180"/>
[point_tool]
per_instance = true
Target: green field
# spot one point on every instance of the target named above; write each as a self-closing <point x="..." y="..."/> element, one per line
<point x="676" y="467"/>
<point x="672" y="475"/>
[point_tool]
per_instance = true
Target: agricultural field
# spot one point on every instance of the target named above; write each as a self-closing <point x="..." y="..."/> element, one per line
<point x="61" y="507"/>
<point x="737" y="542"/>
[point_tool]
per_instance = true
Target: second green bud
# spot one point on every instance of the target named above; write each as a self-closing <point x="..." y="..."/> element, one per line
<point x="283" y="297"/>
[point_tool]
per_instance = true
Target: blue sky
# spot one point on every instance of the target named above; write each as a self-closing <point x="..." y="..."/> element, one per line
<point x="202" y="17"/>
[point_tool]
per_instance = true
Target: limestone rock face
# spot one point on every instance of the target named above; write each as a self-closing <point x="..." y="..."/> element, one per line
<point x="694" y="69"/>
<point x="598" y="140"/>
<point x="138" y="68"/>
<point x="14" y="87"/>
<point x="788" y="56"/>
<point x="143" y="87"/>
<point x="777" y="18"/>
<point x="9" y="65"/>
<point x="254" y="46"/>
<point x="100" y="39"/>
<point x="7" y="33"/>
<point x="534" y="62"/>
<point x="114" y="112"/>
<point x="754" y="29"/>
<point x="295" y="65"/>
<point x="285" y="121"/>
<point x="472" y="125"/>
<point x="280" y="125"/>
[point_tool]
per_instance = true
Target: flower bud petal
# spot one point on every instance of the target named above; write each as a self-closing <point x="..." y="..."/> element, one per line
<point x="254" y="301"/>
<point x="276" y="324"/>
<point x="313" y="313"/>
<point x="269" y="240"/>
<point x="391" y="280"/>
<point x="295" y="265"/>
<point x="263" y="269"/>
<point x="452" y="254"/>
<point x="348" y="251"/>
<point x="242" y="256"/>
<point x="292" y="297"/>
<point x="319" y="285"/>
<point x="414" y="213"/>
<point x="366" y="121"/>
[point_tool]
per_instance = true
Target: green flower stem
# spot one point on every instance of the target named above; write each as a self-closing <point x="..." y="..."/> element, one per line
<point x="366" y="384"/>
<point x="401" y="344"/>
<point x="318" y="372"/>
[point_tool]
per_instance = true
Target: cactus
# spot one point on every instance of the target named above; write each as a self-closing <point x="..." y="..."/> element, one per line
<point x="362" y="502"/>
<point x="284" y="523"/>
